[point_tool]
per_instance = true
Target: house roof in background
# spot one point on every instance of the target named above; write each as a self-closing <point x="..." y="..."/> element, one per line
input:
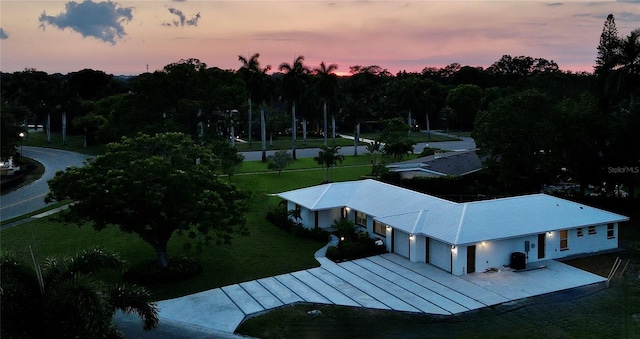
<point x="451" y="222"/>
<point x="451" y="163"/>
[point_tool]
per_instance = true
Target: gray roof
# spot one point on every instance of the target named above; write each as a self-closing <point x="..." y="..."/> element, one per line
<point x="451" y="163"/>
<point x="451" y="222"/>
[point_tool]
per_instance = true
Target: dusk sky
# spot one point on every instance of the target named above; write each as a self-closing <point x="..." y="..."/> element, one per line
<point x="123" y="37"/>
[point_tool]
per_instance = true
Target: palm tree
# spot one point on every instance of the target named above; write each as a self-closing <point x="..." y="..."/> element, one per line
<point x="361" y="99"/>
<point x="327" y="85"/>
<point x="374" y="148"/>
<point x="63" y="297"/>
<point x="328" y="157"/>
<point x="294" y="83"/>
<point x="259" y="89"/>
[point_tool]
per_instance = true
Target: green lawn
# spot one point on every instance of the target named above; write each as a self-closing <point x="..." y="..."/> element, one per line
<point x="74" y="143"/>
<point x="418" y="137"/>
<point x="284" y="142"/>
<point x="267" y="251"/>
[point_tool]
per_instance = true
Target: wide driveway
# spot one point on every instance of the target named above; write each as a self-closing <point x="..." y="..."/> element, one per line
<point x="387" y="282"/>
<point x="31" y="197"/>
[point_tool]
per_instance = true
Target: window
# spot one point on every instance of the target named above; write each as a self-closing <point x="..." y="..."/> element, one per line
<point x="564" y="242"/>
<point x="611" y="231"/>
<point x="361" y="219"/>
<point x="379" y="228"/>
<point x="591" y="230"/>
<point x="580" y="233"/>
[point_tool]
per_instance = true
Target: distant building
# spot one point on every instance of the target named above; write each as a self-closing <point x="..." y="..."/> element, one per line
<point x="456" y="163"/>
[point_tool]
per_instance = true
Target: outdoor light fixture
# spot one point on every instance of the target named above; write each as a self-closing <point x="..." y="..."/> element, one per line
<point x="484" y="243"/>
<point x="411" y="236"/>
<point x="341" y="238"/>
<point x="21" y="135"/>
<point x="388" y="227"/>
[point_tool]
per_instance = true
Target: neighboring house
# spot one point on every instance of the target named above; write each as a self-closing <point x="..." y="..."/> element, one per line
<point x="460" y="238"/>
<point x="456" y="163"/>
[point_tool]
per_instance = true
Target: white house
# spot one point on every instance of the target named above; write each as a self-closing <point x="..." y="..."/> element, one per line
<point x="460" y="238"/>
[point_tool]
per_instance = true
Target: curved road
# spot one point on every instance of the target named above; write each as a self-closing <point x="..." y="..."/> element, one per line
<point x="31" y="197"/>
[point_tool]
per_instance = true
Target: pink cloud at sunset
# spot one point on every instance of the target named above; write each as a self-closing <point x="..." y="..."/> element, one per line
<point x="122" y="37"/>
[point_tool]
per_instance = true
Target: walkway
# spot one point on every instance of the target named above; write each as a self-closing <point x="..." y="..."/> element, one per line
<point x="387" y="282"/>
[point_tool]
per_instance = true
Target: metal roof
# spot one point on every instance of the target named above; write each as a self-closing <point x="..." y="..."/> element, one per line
<point x="451" y="222"/>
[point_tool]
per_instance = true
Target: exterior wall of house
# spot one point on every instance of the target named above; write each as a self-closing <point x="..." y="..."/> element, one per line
<point x="495" y="254"/>
<point x="418" y="248"/>
<point x="326" y="217"/>
<point x="587" y="243"/>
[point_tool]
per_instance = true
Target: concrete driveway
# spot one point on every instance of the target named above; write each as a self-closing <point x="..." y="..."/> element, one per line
<point x="388" y="282"/>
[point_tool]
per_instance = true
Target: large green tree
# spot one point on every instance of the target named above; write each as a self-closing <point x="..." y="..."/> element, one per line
<point x="518" y="134"/>
<point x="153" y="186"/>
<point x="62" y="298"/>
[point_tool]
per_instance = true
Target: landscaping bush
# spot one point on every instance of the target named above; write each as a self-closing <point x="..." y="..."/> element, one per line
<point x="279" y="216"/>
<point x="148" y="272"/>
<point x="355" y="247"/>
<point x="315" y="233"/>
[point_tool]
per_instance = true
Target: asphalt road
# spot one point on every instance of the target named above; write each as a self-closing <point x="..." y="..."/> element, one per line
<point x="31" y="197"/>
<point x="465" y="143"/>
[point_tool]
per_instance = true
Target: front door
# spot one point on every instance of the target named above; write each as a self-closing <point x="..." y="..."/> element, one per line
<point x="541" y="250"/>
<point x="426" y="251"/>
<point x="471" y="259"/>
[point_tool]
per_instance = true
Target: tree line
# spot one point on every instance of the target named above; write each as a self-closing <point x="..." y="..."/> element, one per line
<point x="519" y="108"/>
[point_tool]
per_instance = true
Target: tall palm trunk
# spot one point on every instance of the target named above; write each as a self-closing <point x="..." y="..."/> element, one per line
<point x="294" y="131"/>
<point x="428" y="128"/>
<point x="64" y="128"/>
<point x="356" y="139"/>
<point x="410" y="124"/>
<point x="324" y="120"/>
<point x="250" y="122"/>
<point x="304" y="130"/>
<point x="263" y="134"/>
<point x="333" y="127"/>
<point x="48" y="127"/>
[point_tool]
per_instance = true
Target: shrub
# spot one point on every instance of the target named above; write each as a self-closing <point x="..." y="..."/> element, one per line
<point x="427" y="151"/>
<point x="148" y="272"/>
<point x="280" y="217"/>
<point x="315" y="233"/>
<point x="355" y="247"/>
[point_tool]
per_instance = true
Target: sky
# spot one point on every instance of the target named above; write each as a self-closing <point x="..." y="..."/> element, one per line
<point x="129" y="37"/>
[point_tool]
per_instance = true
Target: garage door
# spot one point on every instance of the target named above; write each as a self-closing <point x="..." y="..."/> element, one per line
<point x="440" y="254"/>
<point x="401" y="243"/>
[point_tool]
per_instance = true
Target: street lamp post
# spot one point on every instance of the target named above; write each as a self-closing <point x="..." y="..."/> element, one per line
<point x="21" y="135"/>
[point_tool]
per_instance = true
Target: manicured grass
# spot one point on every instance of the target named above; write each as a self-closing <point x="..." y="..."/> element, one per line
<point x="267" y="251"/>
<point x="74" y="143"/>
<point x="284" y="142"/>
<point x="308" y="163"/>
<point x="418" y="137"/>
